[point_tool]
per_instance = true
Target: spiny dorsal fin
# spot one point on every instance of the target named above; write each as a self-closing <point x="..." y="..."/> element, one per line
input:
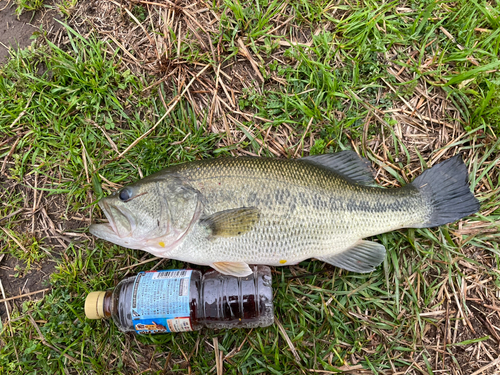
<point x="346" y="163"/>
<point x="231" y="223"/>
<point x="363" y="257"/>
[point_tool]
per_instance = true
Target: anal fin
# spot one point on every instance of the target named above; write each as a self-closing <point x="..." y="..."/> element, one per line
<point x="238" y="269"/>
<point x="363" y="257"/>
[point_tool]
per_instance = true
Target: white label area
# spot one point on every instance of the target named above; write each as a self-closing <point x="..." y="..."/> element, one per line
<point x="179" y="325"/>
<point x="169" y="275"/>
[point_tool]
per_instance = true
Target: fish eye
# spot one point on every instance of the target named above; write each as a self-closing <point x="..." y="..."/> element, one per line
<point x="125" y="194"/>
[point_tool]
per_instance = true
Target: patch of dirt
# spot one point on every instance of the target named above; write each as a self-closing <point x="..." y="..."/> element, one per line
<point x="16" y="32"/>
<point x="34" y="234"/>
<point x="17" y="283"/>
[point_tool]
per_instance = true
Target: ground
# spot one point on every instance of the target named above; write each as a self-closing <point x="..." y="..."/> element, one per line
<point x="118" y="90"/>
<point x="17" y="31"/>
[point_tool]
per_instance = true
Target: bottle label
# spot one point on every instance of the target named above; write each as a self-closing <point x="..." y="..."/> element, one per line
<point x="160" y="301"/>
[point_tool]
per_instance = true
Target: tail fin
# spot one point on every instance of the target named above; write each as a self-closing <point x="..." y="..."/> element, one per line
<point x="447" y="191"/>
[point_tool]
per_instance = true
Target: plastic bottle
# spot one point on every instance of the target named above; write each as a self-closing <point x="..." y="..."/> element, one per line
<point x="184" y="300"/>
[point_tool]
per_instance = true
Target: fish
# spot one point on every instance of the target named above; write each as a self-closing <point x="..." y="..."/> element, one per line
<point x="232" y="212"/>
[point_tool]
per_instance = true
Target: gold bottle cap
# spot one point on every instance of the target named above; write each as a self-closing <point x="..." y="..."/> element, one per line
<point x="94" y="305"/>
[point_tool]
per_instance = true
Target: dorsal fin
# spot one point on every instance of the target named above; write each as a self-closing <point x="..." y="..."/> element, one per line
<point x="346" y="163"/>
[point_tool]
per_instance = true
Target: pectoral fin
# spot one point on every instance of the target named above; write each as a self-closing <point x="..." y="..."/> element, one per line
<point x="238" y="269"/>
<point x="363" y="257"/>
<point x="231" y="223"/>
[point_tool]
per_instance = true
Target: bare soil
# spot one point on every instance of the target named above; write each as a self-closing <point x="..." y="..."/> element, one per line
<point x="45" y="226"/>
<point x="18" y="278"/>
<point x="16" y="32"/>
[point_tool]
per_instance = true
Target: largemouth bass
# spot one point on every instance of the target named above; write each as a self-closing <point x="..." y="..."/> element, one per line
<point x="231" y="212"/>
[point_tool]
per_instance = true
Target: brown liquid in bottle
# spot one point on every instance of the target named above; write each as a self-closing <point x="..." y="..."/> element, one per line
<point x="215" y="301"/>
<point x="226" y="301"/>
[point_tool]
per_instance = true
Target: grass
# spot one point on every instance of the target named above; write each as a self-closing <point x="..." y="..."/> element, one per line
<point x="28" y="6"/>
<point x="407" y="84"/>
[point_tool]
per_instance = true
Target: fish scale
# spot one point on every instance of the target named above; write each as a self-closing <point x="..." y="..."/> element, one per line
<point x="231" y="212"/>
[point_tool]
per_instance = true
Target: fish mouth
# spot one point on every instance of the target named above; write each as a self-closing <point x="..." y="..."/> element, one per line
<point x="103" y="231"/>
<point x="119" y="223"/>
